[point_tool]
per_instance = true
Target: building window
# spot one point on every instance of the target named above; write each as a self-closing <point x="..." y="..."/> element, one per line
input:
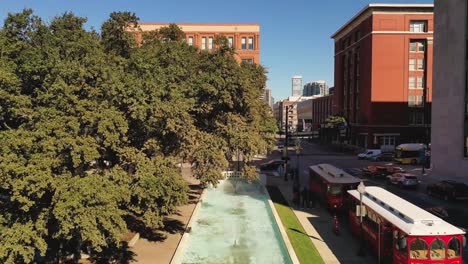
<point x="210" y="43"/>
<point x="231" y="41"/>
<point x="411" y="83"/>
<point x="243" y="42"/>
<point x="247" y="60"/>
<point x="251" y="43"/>
<point x="420" y="83"/>
<point x="417" y="46"/>
<point x="418" y="26"/>
<point x="420" y="64"/>
<point x="358" y="35"/>
<point x="412" y="64"/>
<point x="415" y="101"/>
<point x="190" y="41"/>
<point x="203" y="43"/>
<point x="421" y="46"/>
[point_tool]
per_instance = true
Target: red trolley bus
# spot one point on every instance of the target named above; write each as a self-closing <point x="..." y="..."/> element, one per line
<point x="399" y="232"/>
<point x="330" y="184"/>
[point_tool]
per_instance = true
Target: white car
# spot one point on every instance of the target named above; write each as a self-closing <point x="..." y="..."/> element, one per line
<point x="369" y="154"/>
<point x="403" y="179"/>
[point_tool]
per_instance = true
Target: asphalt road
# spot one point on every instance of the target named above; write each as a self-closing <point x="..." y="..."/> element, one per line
<point x="312" y="154"/>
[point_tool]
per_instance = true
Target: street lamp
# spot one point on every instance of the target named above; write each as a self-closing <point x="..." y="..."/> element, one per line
<point x="361" y="190"/>
<point x="298" y="152"/>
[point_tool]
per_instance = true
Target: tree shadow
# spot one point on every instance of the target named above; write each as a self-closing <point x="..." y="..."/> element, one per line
<point x="173" y="226"/>
<point x="136" y="225"/>
<point x="121" y="254"/>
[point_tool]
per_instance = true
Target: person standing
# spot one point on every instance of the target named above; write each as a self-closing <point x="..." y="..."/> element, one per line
<point x="304" y="195"/>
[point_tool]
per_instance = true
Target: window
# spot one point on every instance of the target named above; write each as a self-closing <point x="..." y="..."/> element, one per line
<point x="190" y="41"/>
<point x="210" y="43"/>
<point x="418" y="249"/>
<point x="417" y="46"/>
<point x="412" y="64"/>
<point x="421" y="46"/>
<point x="420" y="64"/>
<point x="358" y="35"/>
<point x="438" y="249"/>
<point x="420" y="83"/>
<point x="231" y="41"/>
<point x="400" y="242"/>
<point x="411" y="83"/>
<point x="453" y="248"/>
<point x="411" y="101"/>
<point x="418" y="26"/>
<point x="203" y="43"/>
<point x="415" y="101"/>
<point x="247" y="60"/>
<point x="243" y="43"/>
<point x="251" y="43"/>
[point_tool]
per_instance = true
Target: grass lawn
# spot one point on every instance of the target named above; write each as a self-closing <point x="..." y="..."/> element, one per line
<point x="303" y="246"/>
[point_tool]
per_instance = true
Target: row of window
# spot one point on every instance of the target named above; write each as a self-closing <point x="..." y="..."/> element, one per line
<point x="246" y="43"/>
<point x="416" y="118"/>
<point x="415" y="82"/>
<point x="416" y="64"/>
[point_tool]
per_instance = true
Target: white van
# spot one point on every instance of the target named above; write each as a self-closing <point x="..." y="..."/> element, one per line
<point x="369" y="154"/>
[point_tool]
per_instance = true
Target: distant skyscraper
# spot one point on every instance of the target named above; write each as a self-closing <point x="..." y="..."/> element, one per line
<point x="315" y="88"/>
<point x="297" y="85"/>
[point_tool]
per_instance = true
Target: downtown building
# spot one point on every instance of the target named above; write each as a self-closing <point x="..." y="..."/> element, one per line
<point x="296" y="85"/>
<point x="245" y="38"/>
<point x="383" y="75"/>
<point x="314" y="88"/>
<point x="449" y="144"/>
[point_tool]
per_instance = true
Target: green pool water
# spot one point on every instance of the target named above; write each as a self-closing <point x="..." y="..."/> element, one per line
<point x="235" y="224"/>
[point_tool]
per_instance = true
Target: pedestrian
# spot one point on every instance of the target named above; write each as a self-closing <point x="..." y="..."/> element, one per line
<point x="296" y="199"/>
<point x="304" y="195"/>
<point x="312" y="197"/>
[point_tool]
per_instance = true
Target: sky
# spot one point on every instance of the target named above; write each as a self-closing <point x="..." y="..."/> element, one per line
<point x="294" y="34"/>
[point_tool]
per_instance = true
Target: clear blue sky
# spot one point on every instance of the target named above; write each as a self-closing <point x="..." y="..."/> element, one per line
<point x="294" y="34"/>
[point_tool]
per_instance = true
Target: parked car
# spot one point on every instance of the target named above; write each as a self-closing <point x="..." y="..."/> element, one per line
<point x="369" y="153"/>
<point x="380" y="171"/>
<point x="384" y="156"/>
<point x="448" y="190"/>
<point x="403" y="179"/>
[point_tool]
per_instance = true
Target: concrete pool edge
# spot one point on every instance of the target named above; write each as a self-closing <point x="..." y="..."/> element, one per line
<point x="176" y="258"/>
<point x="284" y="235"/>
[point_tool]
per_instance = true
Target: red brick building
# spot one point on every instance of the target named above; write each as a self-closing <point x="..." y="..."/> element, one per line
<point x="383" y="74"/>
<point x="244" y="37"/>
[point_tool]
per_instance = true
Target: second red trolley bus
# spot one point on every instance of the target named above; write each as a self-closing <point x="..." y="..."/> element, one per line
<point x="330" y="184"/>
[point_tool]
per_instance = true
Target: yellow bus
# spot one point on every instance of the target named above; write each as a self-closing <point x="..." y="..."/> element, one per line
<point x="410" y="153"/>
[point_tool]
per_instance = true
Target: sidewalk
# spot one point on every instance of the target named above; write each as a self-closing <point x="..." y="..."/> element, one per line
<point x="318" y="223"/>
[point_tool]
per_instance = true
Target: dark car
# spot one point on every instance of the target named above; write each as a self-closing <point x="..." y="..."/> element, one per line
<point x="385" y="156"/>
<point x="272" y="165"/>
<point x="448" y="190"/>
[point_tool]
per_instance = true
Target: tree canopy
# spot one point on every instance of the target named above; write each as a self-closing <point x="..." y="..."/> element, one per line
<point x="92" y="127"/>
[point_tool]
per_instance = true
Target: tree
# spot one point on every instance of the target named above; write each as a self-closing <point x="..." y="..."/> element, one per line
<point x="115" y="37"/>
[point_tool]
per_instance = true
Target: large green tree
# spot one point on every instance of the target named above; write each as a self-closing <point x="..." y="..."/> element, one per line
<point x="92" y="127"/>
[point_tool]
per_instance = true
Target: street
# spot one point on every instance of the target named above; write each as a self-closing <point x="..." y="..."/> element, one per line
<point x="313" y="153"/>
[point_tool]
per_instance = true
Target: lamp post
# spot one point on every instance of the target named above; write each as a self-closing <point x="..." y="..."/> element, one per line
<point x="361" y="190"/>
<point x="298" y="152"/>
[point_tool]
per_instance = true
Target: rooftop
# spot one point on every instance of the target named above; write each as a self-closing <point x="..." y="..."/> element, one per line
<point x="385" y="7"/>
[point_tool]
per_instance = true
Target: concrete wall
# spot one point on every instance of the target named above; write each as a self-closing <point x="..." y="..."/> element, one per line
<point x="449" y="89"/>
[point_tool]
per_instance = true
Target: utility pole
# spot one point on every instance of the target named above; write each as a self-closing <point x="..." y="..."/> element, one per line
<point x="285" y="149"/>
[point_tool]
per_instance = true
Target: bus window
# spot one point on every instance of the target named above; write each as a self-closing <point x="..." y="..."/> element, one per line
<point x="453" y="248"/>
<point x="334" y="190"/>
<point x="418" y="249"/>
<point x="438" y="249"/>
